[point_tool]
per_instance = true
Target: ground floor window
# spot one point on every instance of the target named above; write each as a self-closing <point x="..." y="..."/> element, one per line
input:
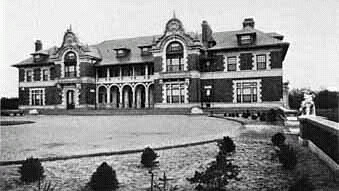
<point x="247" y="91"/>
<point x="37" y="96"/>
<point x="175" y="92"/>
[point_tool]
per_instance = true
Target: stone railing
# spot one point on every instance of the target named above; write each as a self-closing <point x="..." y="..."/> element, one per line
<point x="322" y="137"/>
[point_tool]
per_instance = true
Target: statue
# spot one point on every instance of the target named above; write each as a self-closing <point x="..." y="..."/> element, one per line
<point x="307" y="106"/>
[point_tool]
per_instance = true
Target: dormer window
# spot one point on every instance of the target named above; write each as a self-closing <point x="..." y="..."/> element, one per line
<point x="121" y="52"/>
<point x="246" y="39"/>
<point x="145" y="50"/>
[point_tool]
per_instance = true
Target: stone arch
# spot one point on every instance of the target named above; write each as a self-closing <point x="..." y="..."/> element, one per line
<point x="127" y="96"/>
<point x="140" y="95"/>
<point x="115" y="96"/>
<point x="102" y="94"/>
<point x="77" y="66"/>
<point x="164" y="55"/>
<point x="150" y="90"/>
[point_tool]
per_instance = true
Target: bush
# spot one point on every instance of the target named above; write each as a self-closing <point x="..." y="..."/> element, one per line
<point x="287" y="157"/>
<point x="226" y="145"/>
<point x="271" y="115"/>
<point x="278" y="139"/>
<point x="148" y="157"/>
<point x="237" y="114"/>
<point x="262" y="117"/>
<point x="31" y="170"/>
<point x="302" y="184"/>
<point x="104" y="178"/>
<point x="254" y="117"/>
<point x="225" y="114"/>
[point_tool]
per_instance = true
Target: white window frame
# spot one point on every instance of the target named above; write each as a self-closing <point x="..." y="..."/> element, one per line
<point x="31" y="94"/>
<point x="42" y="74"/>
<point x="32" y="79"/>
<point x="258" y="90"/>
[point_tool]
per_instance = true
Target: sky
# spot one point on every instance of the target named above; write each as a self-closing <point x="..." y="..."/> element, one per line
<point x="310" y="26"/>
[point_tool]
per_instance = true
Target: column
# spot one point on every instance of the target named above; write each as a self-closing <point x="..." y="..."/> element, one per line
<point x="146" y="96"/>
<point x="96" y="96"/>
<point x="146" y="71"/>
<point x="108" y="92"/>
<point x="120" y="96"/>
<point x="107" y="75"/>
<point x="133" y="97"/>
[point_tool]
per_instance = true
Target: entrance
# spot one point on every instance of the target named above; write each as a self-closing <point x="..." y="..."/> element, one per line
<point x="70" y="99"/>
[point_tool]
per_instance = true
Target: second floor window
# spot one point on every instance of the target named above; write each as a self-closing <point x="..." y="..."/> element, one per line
<point x="232" y="63"/>
<point x="70" y="64"/>
<point x="45" y="74"/>
<point x="261" y="62"/>
<point x="174" y="57"/>
<point x="29" y="75"/>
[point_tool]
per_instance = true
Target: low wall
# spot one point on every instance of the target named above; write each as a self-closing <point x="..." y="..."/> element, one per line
<point x="322" y="137"/>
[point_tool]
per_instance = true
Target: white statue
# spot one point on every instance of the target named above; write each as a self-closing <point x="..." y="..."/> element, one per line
<point x="308" y="106"/>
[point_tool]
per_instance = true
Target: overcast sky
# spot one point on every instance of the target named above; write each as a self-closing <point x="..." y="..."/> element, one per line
<point x="310" y="26"/>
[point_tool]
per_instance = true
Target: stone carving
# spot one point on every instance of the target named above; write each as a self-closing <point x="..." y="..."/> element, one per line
<point x="307" y="106"/>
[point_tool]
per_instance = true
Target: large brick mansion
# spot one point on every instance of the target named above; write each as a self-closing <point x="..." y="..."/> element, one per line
<point x="175" y="69"/>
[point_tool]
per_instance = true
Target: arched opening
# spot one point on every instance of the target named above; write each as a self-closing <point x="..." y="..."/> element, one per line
<point x="115" y="96"/>
<point x="151" y="96"/>
<point x="102" y="94"/>
<point x="140" y="96"/>
<point x="174" y="57"/>
<point x="70" y="99"/>
<point x="70" y="62"/>
<point x="127" y="96"/>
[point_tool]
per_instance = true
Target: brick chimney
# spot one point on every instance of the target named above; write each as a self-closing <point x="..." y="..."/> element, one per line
<point x="248" y="22"/>
<point x="38" y="45"/>
<point x="206" y="37"/>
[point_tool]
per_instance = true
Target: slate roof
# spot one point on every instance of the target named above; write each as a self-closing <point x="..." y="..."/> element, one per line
<point x="105" y="50"/>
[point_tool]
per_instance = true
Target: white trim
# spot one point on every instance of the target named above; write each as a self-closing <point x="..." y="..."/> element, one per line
<point x="241" y="74"/>
<point x="38" y="83"/>
<point x="258" y="81"/>
<point x="163" y="54"/>
<point x="25" y="75"/>
<point x="42" y="74"/>
<point x="43" y="96"/>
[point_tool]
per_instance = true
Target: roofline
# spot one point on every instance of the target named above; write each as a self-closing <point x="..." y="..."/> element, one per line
<point x="250" y="47"/>
<point x="125" y="63"/>
<point x="31" y="64"/>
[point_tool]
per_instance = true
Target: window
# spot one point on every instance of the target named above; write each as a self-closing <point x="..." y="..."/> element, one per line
<point x="261" y="62"/>
<point x="246" y="92"/>
<point x="174" y="57"/>
<point x="29" y="75"/>
<point x="70" y="65"/>
<point x="114" y="71"/>
<point x="122" y="52"/>
<point x="145" y="51"/>
<point x="232" y="63"/>
<point x="246" y="39"/>
<point x="175" y="93"/>
<point x="37" y="96"/>
<point x="45" y="74"/>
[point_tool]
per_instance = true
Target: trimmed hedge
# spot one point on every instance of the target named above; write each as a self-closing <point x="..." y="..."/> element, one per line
<point x="31" y="170"/>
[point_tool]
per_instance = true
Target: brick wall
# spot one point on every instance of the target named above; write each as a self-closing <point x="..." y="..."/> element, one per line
<point x="276" y="59"/>
<point x="193" y="62"/>
<point x="157" y="92"/>
<point x="222" y="90"/>
<point x="87" y="70"/>
<point x="86" y="96"/>
<point x="271" y="88"/>
<point x="246" y="62"/>
<point x="21" y="75"/>
<point x="157" y="64"/>
<point x="23" y="96"/>
<point x="194" y="90"/>
<point x="52" y="96"/>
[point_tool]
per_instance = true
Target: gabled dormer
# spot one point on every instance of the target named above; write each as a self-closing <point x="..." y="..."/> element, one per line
<point x="247" y="36"/>
<point x="122" y="52"/>
<point x="145" y="50"/>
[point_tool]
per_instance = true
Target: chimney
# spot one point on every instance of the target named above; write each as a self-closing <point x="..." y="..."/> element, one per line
<point x="206" y="36"/>
<point x="38" y="45"/>
<point x="248" y="22"/>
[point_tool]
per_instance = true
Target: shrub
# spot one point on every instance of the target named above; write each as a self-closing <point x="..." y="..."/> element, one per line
<point x="244" y="115"/>
<point x="148" y="157"/>
<point x="31" y="170"/>
<point x="278" y="139"/>
<point x="287" y="157"/>
<point x="302" y="184"/>
<point x="226" y="145"/>
<point x="237" y="114"/>
<point x="262" y="117"/>
<point x="104" y="178"/>
<point x="254" y="117"/>
<point x="225" y="114"/>
<point x="271" y="115"/>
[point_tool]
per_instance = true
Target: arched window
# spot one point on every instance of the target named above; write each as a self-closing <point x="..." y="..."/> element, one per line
<point x="174" y="57"/>
<point x="70" y="61"/>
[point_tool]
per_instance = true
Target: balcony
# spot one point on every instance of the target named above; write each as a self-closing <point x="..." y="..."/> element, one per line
<point x="126" y="79"/>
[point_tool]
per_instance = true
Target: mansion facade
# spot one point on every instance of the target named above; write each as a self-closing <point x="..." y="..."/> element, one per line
<point x="175" y="69"/>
